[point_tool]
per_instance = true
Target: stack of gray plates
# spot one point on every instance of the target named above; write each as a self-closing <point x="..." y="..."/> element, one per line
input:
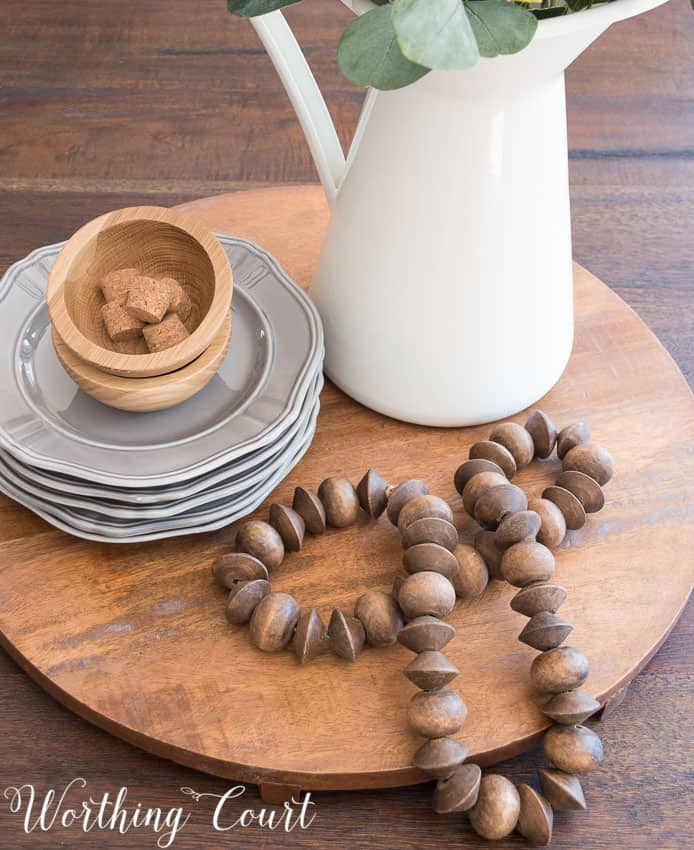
<point x="109" y="475"/>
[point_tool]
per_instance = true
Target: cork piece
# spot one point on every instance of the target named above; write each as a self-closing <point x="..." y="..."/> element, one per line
<point x="116" y="285"/>
<point x="168" y="332"/>
<point x="119" y="324"/>
<point x="148" y="301"/>
<point x="179" y="300"/>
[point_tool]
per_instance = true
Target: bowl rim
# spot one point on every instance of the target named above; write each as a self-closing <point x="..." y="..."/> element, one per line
<point x="160" y="362"/>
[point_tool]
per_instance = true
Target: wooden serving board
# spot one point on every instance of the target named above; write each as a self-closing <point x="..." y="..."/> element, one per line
<point x="133" y="638"/>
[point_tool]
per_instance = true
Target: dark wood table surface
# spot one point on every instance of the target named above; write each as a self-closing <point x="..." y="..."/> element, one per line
<point x="108" y="103"/>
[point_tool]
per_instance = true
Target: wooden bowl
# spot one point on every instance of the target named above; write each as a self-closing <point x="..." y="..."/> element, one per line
<point x="160" y="243"/>
<point x="146" y="394"/>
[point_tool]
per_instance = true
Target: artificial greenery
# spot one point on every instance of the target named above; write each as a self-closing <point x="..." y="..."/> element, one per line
<point x="400" y="41"/>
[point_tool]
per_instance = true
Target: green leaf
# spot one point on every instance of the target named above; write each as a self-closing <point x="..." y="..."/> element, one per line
<point x="368" y="53"/>
<point x="435" y="33"/>
<point x="253" y="8"/>
<point x="500" y="27"/>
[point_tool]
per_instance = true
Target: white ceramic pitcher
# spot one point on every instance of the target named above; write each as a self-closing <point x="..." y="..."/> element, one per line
<point x="445" y="282"/>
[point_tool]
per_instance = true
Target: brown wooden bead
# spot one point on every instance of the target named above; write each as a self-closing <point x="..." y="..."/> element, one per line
<point x="527" y="562"/>
<point x="496" y="453"/>
<point x="571" y="707"/>
<point x="310" y="508"/>
<point x="537" y="597"/>
<point x="517" y="440"/>
<point x="309" y="637"/>
<point x="470" y="468"/>
<point x="562" y="790"/>
<point x="273" y="621"/>
<point x="585" y="489"/>
<point x="290" y="526"/>
<point x="545" y="631"/>
<point x="422" y="507"/>
<point x="558" y="670"/>
<point x="430" y="530"/>
<point x="477" y="485"/>
<point x="494" y="504"/>
<point x="592" y="460"/>
<point x="380" y="616"/>
<point x="371" y="491"/>
<point x="496" y="811"/>
<point x="522" y="525"/>
<point x="572" y="510"/>
<point x="436" y="714"/>
<point x="402" y="494"/>
<point x="430" y="557"/>
<point x="485" y="544"/>
<point x="430" y="670"/>
<point x="552" y="523"/>
<point x="243" y="599"/>
<point x="535" y="819"/>
<point x="340" y="501"/>
<point x="261" y="540"/>
<point x="572" y="436"/>
<point x="346" y="635"/>
<point x="426" y="594"/>
<point x="426" y="633"/>
<point x="440" y="758"/>
<point x="234" y="567"/>
<point x="543" y="431"/>
<point x="471" y="575"/>
<point x="459" y="791"/>
<point x="573" y="749"/>
<point x="398" y="582"/>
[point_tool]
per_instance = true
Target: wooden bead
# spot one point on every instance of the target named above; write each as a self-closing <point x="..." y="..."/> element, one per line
<point x="459" y="791"/>
<point x="426" y="594"/>
<point x="493" y="505"/>
<point x="426" y="633"/>
<point x="244" y="598"/>
<point x="485" y="544"/>
<point x="537" y="597"/>
<point x="430" y="670"/>
<point x="572" y="436"/>
<point x="522" y="525"/>
<point x="423" y="507"/>
<point x="570" y="707"/>
<point x="496" y="811"/>
<point x="273" y="621"/>
<point x="234" y="567"/>
<point x="430" y="557"/>
<point x="471" y="575"/>
<point x="573" y="749"/>
<point x="371" y="491"/>
<point x="592" y="460"/>
<point x="310" y="508"/>
<point x="585" y="489"/>
<point x="477" y="485"/>
<point x="440" y="758"/>
<point x="496" y="453"/>
<point x="543" y="431"/>
<point x="535" y="818"/>
<point x="558" y="670"/>
<point x="545" y="631"/>
<point x="261" y="540"/>
<point x="289" y="525"/>
<point x="572" y="510"/>
<point x="436" y="714"/>
<point x="309" y="637"/>
<point x="527" y="562"/>
<point x="430" y="530"/>
<point x="340" y="501"/>
<point x="552" y="523"/>
<point x="346" y="635"/>
<point x="402" y="494"/>
<point x="470" y="468"/>
<point x="378" y="612"/>
<point x="517" y="440"/>
<point x="562" y="790"/>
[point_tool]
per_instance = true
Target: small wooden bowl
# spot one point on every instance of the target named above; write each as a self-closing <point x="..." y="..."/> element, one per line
<point x="142" y="395"/>
<point x="160" y="243"/>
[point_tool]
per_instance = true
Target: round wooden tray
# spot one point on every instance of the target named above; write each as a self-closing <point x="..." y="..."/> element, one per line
<point x="133" y="638"/>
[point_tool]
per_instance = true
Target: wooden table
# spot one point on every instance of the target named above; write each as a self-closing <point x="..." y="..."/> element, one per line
<point x="81" y="133"/>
